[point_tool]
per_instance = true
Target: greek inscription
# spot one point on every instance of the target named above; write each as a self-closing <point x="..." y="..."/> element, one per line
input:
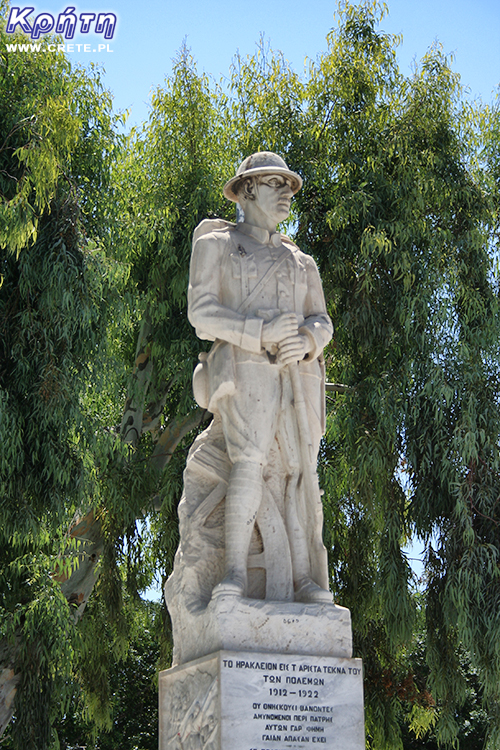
<point x="106" y="23"/>
<point x="267" y="665"/>
<point x="273" y="717"/>
<point x="276" y="724"/>
<point x="18" y="17"/>
<point x="305" y="680"/>
<point x="43" y="24"/>
<point x="276" y="728"/>
<point x="336" y="670"/>
<point x="278" y="707"/>
<point x="308" y="694"/>
<point x="86" y="19"/>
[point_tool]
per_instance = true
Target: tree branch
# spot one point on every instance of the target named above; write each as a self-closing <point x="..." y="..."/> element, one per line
<point x="132" y="421"/>
<point x="172" y="435"/>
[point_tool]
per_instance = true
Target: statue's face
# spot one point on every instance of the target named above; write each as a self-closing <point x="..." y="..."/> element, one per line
<point x="272" y="197"/>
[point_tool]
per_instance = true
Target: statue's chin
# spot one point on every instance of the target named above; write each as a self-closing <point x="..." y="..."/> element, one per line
<point x="282" y="215"/>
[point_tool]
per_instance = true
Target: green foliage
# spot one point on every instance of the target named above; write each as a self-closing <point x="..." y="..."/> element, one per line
<point x="35" y="620"/>
<point x="38" y="133"/>
<point x="57" y="135"/>
<point x="156" y="212"/>
<point x="470" y="718"/>
<point x="121" y="688"/>
<point x="398" y="224"/>
<point x="398" y="210"/>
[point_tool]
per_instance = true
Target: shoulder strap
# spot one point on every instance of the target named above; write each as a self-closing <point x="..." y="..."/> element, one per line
<point x="263" y="281"/>
<point x="212" y="225"/>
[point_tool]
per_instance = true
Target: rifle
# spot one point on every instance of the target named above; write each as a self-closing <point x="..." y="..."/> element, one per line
<point x="310" y="486"/>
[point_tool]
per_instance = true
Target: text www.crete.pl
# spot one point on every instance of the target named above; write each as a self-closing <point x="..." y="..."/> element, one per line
<point x="73" y="47"/>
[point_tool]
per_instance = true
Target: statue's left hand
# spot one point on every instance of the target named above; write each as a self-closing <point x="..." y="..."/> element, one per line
<point x="294" y="348"/>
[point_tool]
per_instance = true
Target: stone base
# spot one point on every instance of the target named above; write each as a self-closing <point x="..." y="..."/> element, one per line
<point x="235" y="700"/>
<point x="235" y="624"/>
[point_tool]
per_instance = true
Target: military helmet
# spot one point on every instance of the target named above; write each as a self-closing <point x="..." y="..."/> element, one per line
<point x="263" y="162"/>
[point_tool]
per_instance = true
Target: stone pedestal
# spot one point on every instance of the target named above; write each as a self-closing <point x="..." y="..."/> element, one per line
<point x="239" y="700"/>
<point x="234" y="624"/>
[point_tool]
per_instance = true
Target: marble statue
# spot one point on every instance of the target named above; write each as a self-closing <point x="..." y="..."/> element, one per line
<point x="251" y="514"/>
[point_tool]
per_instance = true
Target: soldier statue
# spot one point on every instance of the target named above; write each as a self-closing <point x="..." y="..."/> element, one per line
<point x="260" y="300"/>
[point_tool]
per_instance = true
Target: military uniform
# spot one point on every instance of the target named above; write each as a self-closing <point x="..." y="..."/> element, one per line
<point x="240" y="278"/>
<point x="253" y="292"/>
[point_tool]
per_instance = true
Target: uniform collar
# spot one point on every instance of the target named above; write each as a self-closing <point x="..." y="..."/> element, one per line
<point x="260" y="234"/>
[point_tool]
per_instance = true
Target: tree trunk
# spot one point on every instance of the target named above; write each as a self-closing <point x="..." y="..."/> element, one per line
<point x="8" y="685"/>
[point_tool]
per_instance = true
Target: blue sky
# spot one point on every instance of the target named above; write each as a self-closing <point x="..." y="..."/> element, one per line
<point x="149" y="34"/>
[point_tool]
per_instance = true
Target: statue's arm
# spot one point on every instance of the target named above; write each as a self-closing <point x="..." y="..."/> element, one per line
<point x="206" y="311"/>
<point x="317" y="324"/>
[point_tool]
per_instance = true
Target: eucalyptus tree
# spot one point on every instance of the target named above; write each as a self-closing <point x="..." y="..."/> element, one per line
<point x="401" y="226"/>
<point x="164" y="183"/>
<point x="395" y="210"/>
<point x="57" y="139"/>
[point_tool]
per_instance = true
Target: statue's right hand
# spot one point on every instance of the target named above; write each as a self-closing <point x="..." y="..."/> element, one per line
<point x="279" y="328"/>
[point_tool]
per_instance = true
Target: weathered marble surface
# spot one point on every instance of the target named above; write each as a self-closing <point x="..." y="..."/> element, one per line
<point x="251" y="515"/>
<point x="189" y="703"/>
<point x="251" y="487"/>
<point x="202" y="625"/>
<point x="261" y="653"/>
<point x="254" y="701"/>
<point x="233" y="623"/>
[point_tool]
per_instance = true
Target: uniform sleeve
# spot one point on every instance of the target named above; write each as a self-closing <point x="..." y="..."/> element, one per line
<point x="317" y="324"/>
<point x="211" y="319"/>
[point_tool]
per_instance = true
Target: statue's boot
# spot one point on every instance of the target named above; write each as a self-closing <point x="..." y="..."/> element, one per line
<point x="243" y="498"/>
<point x="305" y="589"/>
